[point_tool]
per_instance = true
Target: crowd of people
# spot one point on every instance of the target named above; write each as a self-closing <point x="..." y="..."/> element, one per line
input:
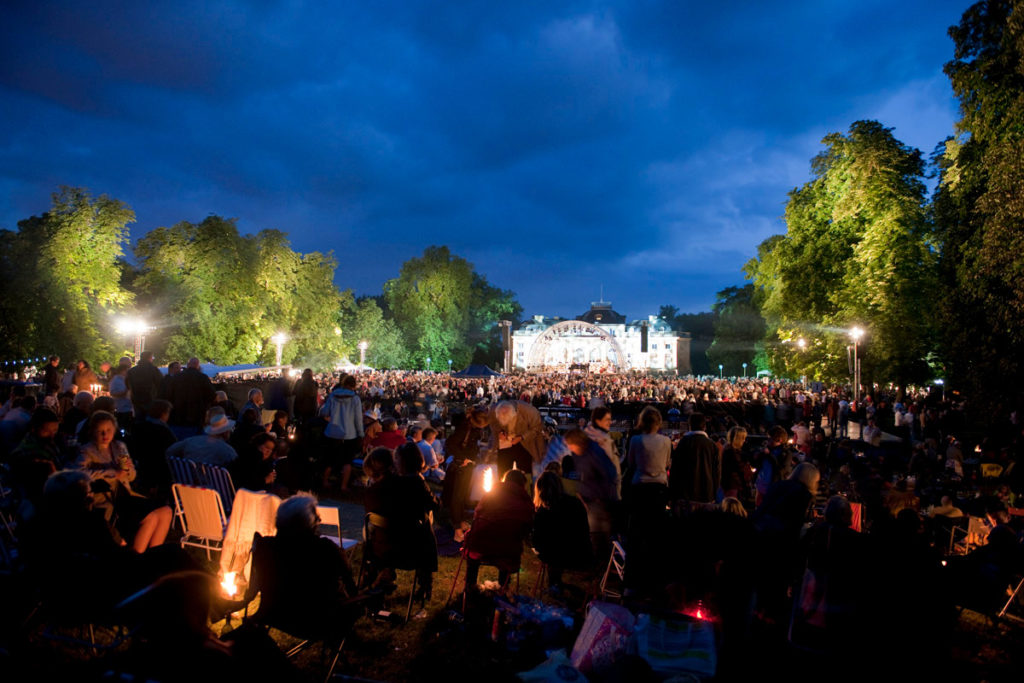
<point x="750" y="497"/>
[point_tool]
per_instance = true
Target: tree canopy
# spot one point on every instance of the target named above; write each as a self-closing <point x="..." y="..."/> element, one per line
<point x="60" y="285"/>
<point x="856" y="252"/>
<point x="739" y="330"/>
<point x="222" y="296"/>
<point x="979" y="205"/>
<point x="446" y="310"/>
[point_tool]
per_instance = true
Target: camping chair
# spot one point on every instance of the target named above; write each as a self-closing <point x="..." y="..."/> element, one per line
<point x="1004" y="612"/>
<point x="182" y="471"/>
<point x="616" y="563"/>
<point x="304" y="619"/>
<point x="974" y="536"/>
<point x="202" y="516"/>
<point x="218" y="479"/>
<point x="8" y="504"/>
<point x="329" y="518"/>
<point x="375" y="526"/>
<point x="508" y="562"/>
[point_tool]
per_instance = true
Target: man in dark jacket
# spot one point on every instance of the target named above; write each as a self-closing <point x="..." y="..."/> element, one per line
<point x="696" y="470"/>
<point x="144" y="382"/>
<point x="51" y="376"/>
<point x="191" y="393"/>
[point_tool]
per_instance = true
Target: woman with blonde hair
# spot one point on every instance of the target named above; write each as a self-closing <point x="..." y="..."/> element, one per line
<point x="734" y="507"/>
<point x="105" y="459"/>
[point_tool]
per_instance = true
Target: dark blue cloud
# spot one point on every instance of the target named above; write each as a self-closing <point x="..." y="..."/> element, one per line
<point x="643" y="146"/>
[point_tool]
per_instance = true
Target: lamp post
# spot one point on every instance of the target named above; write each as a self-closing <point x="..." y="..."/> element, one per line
<point x="719" y="371"/>
<point x="449" y="366"/>
<point x="363" y="345"/>
<point x="856" y="333"/>
<point x="428" y="363"/>
<point x="744" y="371"/>
<point x="137" y="328"/>
<point x="279" y="339"/>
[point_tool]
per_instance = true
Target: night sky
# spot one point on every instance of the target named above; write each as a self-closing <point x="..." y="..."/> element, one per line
<point x="647" y="147"/>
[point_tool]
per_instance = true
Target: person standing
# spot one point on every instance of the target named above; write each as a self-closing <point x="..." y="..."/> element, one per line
<point x="121" y="394"/>
<point x="599" y="488"/>
<point x="517" y="434"/>
<point x="144" y="383"/>
<point x="696" y="471"/>
<point x="344" y="432"/>
<point x="51" y="376"/>
<point x="191" y="394"/>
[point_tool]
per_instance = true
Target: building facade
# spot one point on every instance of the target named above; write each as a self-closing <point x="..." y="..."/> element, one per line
<point x="600" y="340"/>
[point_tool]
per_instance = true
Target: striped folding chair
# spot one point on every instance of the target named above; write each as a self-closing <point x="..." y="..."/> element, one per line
<point x="218" y="479"/>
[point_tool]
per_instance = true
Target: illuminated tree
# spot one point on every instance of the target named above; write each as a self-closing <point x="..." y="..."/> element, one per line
<point x="221" y="296"/>
<point x="855" y="251"/>
<point x="61" y="283"/>
<point x="445" y="310"/>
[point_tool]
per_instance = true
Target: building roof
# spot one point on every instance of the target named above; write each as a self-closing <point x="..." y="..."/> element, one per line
<point x="602" y="313"/>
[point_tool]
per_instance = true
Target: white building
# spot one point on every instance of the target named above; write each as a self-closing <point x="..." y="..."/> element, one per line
<point x="600" y="339"/>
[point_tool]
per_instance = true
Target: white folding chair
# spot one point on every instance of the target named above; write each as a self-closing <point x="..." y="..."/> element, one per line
<point x="329" y="518"/>
<point x="616" y="563"/>
<point x="1004" y="612"/>
<point x="202" y="516"/>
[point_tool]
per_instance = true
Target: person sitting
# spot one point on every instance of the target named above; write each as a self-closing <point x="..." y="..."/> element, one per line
<point x="69" y="535"/>
<point x="211" y="448"/>
<point x="220" y="400"/>
<point x="426" y="445"/>
<point x="37" y="456"/>
<point x="501" y="523"/>
<point x="304" y="581"/>
<point x="407" y="505"/>
<point x="389" y="436"/>
<point x="248" y="426"/>
<point x="945" y="508"/>
<point x="561" y="532"/>
<point x="148" y="443"/>
<point x="279" y="425"/>
<point x="106" y="460"/>
<point x="254" y="468"/>
<point x="255" y="402"/>
<point x="79" y="411"/>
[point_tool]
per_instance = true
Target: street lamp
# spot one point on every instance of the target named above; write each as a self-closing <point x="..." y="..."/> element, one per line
<point x="856" y="333"/>
<point x="137" y="328"/>
<point x="363" y="345"/>
<point x="719" y="371"/>
<point x="744" y="371"/>
<point x="279" y="339"/>
<point x="449" y="366"/>
<point x="802" y="343"/>
<point x="428" y="362"/>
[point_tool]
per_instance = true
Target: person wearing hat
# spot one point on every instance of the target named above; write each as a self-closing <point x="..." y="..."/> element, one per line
<point x="212" y="447"/>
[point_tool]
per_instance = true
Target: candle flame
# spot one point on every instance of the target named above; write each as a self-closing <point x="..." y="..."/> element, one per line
<point x="488" y="480"/>
<point x="700" y="613"/>
<point x="228" y="584"/>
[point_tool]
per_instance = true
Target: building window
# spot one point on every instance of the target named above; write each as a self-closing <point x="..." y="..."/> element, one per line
<point x="654" y="347"/>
